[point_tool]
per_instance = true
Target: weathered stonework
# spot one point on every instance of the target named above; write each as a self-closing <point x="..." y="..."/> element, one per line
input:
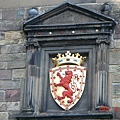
<point x="18" y="74"/>
<point x="114" y="68"/>
<point x="2" y="95"/>
<point x="16" y="64"/>
<point x="9" y="84"/>
<point x="114" y="56"/>
<point x="11" y="57"/>
<point x="4" y="115"/>
<point x="12" y="95"/>
<point x="114" y="76"/>
<point x="9" y="14"/>
<point x="13" y="48"/>
<point x="5" y="74"/>
<point x="8" y="106"/>
<point x="13" y="37"/>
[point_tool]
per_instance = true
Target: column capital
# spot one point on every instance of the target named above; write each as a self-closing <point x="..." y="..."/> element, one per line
<point x="99" y="41"/>
<point x="32" y="44"/>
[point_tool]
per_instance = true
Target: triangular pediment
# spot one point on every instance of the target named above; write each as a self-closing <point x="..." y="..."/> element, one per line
<point x="68" y="14"/>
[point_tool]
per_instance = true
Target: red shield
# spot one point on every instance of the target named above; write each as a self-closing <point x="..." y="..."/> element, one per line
<point x="67" y="84"/>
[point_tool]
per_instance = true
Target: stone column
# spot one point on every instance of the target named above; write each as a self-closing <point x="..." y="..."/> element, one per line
<point x="32" y="77"/>
<point x="102" y="71"/>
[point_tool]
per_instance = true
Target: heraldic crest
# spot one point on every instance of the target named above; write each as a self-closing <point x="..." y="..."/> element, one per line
<point x="67" y="79"/>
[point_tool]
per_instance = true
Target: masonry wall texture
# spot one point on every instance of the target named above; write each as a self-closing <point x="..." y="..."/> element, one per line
<point x="13" y="53"/>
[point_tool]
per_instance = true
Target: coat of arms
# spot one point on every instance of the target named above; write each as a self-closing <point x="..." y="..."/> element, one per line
<point x="67" y="79"/>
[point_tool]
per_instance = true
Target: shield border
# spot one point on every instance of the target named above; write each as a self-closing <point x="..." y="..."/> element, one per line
<point x="53" y="88"/>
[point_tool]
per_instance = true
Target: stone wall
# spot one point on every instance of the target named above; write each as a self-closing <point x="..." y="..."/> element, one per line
<point x="12" y="71"/>
<point x="13" y="55"/>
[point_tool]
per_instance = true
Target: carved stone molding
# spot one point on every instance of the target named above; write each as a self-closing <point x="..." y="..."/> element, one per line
<point x="47" y="36"/>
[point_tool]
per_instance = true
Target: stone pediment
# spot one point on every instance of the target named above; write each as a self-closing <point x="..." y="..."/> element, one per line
<point x="68" y="14"/>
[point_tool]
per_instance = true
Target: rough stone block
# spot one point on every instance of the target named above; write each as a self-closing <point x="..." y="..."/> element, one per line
<point x="114" y="68"/>
<point x="16" y="64"/>
<point x="13" y="37"/>
<point x="12" y="95"/>
<point x="2" y="95"/>
<point x="116" y="89"/>
<point x="9" y="14"/>
<point x="114" y="56"/>
<point x="10" y="105"/>
<point x="11" y="25"/>
<point x="114" y="77"/>
<point x="18" y="74"/>
<point x="2" y="36"/>
<point x="13" y="48"/>
<point x="3" y="65"/>
<point x="3" y="107"/>
<point x="4" y="115"/>
<point x="116" y="102"/>
<point x="20" y="13"/>
<point x="8" y="84"/>
<point x="5" y="74"/>
<point x="2" y="42"/>
<point x="117" y="43"/>
<point x="12" y="57"/>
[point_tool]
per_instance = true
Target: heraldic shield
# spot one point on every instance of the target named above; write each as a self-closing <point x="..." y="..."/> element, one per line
<point x="67" y="79"/>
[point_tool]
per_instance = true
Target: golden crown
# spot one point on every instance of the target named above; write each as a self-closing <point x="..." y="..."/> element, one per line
<point x="68" y="59"/>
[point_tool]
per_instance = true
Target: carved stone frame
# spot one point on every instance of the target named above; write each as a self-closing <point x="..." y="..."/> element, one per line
<point x="40" y="50"/>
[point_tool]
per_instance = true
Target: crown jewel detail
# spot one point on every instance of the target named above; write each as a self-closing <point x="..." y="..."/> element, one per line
<point x="68" y="58"/>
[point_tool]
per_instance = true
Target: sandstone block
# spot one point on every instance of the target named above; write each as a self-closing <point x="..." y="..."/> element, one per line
<point x="2" y="42"/>
<point x="116" y="89"/>
<point x="114" y="68"/>
<point x="16" y="64"/>
<point x="3" y="107"/>
<point x="5" y="74"/>
<point x="18" y="74"/>
<point x="116" y="102"/>
<point x="13" y="35"/>
<point x="20" y="13"/>
<point x="117" y="43"/>
<point x="3" y="65"/>
<point x="13" y="48"/>
<point x="12" y="95"/>
<point x="3" y="115"/>
<point x="10" y="105"/>
<point x="12" y="57"/>
<point x="114" y="77"/>
<point x="9" y="84"/>
<point x="11" y="25"/>
<point x="114" y="56"/>
<point x="2" y="95"/>
<point x="2" y="36"/>
<point x="9" y="14"/>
